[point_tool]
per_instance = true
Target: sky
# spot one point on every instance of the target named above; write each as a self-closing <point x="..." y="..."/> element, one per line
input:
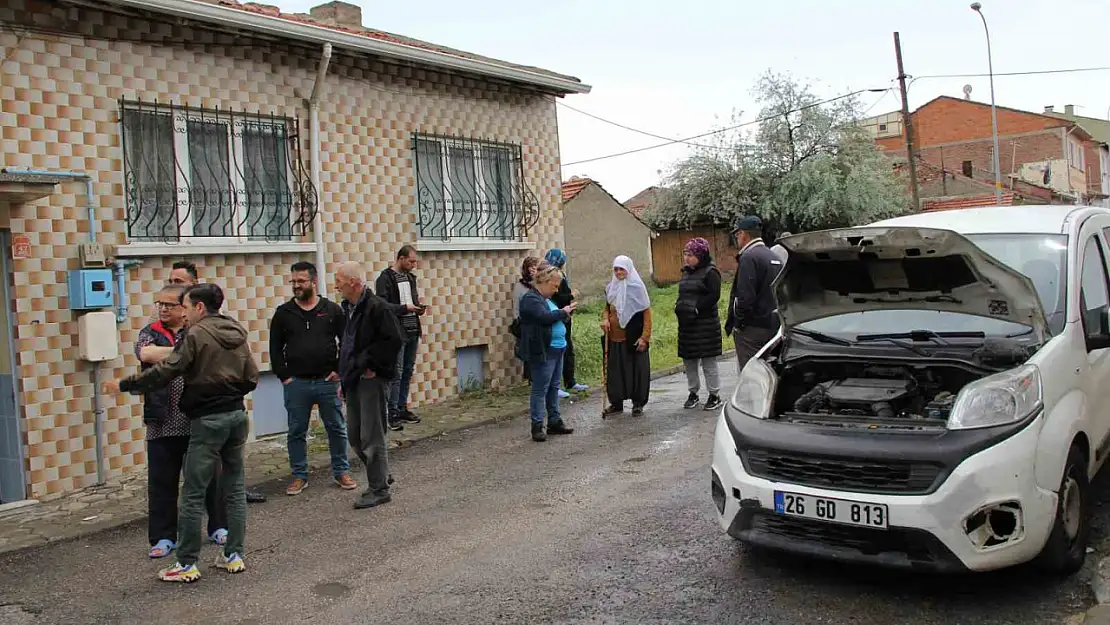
<point x="681" y="68"/>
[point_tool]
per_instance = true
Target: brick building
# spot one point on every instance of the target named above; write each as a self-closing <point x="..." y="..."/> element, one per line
<point x="956" y="134"/>
<point x="245" y="139"/>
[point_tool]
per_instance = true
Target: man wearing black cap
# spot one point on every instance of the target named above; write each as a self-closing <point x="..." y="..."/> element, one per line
<point x="752" y="315"/>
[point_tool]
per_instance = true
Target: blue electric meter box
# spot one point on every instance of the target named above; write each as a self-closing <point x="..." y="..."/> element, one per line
<point x="90" y="289"/>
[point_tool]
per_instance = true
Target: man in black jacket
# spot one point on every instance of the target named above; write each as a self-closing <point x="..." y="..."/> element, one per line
<point x="397" y="285"/>
<point x="752" y="313"/>
<point x="304" y="354"/>
<point x="372" y="340"/>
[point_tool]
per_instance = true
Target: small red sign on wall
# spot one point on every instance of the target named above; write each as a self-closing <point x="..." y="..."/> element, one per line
<point x="21" y="247"/>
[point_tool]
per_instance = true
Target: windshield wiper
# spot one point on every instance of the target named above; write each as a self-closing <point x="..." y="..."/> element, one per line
<point x="923" y="335"/>
<point x="824" y="338"/>
<point x="893" y="340"/>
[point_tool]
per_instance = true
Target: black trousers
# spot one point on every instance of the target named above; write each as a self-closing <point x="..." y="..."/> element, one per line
<point x="165" y="457"/>
<point x="568" y="361"/>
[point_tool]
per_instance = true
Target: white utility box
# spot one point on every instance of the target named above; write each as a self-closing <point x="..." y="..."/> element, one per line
<point x="97" y="336"/>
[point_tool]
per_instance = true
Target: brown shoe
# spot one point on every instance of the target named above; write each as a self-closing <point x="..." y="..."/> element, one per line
<point x="296" y="486"/>
<point x="346" y="482"/>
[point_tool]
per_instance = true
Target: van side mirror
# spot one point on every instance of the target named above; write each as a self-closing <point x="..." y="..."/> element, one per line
<point x="1101" y="340"/>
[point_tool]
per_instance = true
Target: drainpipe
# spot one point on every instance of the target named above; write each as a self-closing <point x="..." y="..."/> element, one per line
<point x="314" y="141"/>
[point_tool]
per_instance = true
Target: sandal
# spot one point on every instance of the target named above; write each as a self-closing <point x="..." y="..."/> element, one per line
<point x="219" y="537"/>
<point x="162" y="548"/>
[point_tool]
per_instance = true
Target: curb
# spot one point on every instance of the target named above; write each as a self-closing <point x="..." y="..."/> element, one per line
<point x="317" y="461"/>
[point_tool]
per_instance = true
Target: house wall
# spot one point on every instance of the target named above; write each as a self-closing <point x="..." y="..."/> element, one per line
<point x="597" y="230"/>
<point x="59" y="111"/>
<point x="950" y="120"/>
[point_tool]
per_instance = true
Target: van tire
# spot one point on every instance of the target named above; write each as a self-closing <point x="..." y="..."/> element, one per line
<point x="1063" y="554"/>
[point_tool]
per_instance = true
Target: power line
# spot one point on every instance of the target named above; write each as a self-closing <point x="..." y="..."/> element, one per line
<point x="636" y="130"/>
<point x="720" y="130"/>
<point x="1029" y="73"/>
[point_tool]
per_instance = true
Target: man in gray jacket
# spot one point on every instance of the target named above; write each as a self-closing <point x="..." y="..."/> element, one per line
<point x="752" y="312"/>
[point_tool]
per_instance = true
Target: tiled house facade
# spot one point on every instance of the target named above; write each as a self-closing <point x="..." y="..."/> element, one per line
<point x="90" y="90"/>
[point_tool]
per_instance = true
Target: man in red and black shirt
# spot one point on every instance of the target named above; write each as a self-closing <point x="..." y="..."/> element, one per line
<point x="167" y="432"/>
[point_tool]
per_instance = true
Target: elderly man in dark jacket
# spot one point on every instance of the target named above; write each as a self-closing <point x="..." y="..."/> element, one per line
<point x="752" y="312"/>
<point x="368" y="353"/>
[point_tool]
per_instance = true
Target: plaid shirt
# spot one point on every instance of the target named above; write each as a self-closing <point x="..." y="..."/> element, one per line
<point x="176" y="423"/>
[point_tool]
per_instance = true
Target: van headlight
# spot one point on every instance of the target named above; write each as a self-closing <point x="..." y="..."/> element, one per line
<point x="1003" y="398"/>
<point x="755" y="391"/>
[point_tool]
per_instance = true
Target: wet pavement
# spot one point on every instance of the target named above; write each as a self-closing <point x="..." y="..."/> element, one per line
<point x="613" y="524"/>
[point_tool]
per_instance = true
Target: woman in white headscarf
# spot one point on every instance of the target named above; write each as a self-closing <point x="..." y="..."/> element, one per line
<point x="626" y="324"/>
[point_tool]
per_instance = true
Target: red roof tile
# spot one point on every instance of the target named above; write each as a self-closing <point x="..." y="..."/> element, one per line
<point x="273" y="11"/>
<point x="574" y="186"/>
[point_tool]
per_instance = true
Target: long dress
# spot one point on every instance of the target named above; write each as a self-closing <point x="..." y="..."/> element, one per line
<point x="629" y="371"/>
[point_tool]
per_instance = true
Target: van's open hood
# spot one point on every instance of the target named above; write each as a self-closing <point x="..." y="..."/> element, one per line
<point x="833" y="272"/>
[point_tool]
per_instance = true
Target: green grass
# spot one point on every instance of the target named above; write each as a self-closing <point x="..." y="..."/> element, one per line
<point x="664" y="335"/>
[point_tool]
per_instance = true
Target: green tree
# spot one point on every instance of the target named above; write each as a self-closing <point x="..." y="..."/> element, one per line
<point x="806" y="166"/>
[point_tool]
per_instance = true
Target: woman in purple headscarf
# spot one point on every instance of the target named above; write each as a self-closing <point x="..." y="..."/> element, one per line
<point x="699" y="326"/>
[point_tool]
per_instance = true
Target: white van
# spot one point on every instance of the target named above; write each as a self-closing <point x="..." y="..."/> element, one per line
<point x="938" y="396"/>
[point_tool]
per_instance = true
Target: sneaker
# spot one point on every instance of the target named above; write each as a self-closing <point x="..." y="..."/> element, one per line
<point x="232" y="563"/>
<point x="579" y="388"/>
<point x="407" y="417"/>
<point x="180" y="573"/>
<point x="637" y="411"/>
<point x="371" y="500"/>
<point x="692" y="401"/>
<point x="346" y="482"/>
<point x="613" y="410"/>
<point x="563" y="394"/>
<point x="296" y="486"/>
<point x="714" y="402"/>
<point x="395" y="425"/>
<point x="538" y="434"/>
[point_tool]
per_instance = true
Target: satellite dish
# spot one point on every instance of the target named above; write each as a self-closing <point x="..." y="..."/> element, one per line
<point x="967" y="92"/>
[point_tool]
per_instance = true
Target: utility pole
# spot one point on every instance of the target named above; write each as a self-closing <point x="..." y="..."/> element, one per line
<point x="907" y="128"/>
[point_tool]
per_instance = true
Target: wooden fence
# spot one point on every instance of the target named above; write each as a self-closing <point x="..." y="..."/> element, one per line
<point x="666" y="251"/>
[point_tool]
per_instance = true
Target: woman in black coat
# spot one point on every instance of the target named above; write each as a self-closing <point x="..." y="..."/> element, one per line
<point x="699" y="326"/>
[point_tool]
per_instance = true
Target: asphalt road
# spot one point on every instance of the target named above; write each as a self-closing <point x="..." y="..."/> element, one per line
<point x="611" y="525"/>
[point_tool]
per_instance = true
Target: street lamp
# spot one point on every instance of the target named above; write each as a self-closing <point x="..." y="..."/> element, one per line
<point x="978" y="8"/>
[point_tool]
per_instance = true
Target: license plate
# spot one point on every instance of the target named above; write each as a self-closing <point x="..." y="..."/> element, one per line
<point x="833" y="510"/>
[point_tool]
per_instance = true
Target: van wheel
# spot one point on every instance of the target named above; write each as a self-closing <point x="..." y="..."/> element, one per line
<point x="1066" y="548"/>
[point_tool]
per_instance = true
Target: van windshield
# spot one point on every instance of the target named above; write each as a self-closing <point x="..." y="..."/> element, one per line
<point x="1040" y="257"/>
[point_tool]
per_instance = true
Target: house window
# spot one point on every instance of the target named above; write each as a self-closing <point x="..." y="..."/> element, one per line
<point x="471" y="189"/>
<point x="194" y="174"/>
<point x="882" y="127"/>
<point x="967" y="170"/>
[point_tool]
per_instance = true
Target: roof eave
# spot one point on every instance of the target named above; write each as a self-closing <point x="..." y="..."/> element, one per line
<point x="276" y="26"/>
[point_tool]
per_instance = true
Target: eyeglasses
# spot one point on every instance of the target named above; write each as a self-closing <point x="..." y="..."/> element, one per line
<point x="167" y="305"/>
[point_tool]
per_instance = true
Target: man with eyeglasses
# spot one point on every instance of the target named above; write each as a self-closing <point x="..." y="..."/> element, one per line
<point x="184" y="274"/>
<point x="304" y="354"/>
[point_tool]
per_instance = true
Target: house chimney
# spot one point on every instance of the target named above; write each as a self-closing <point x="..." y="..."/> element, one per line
<point x="1069" y="109"/>
<point x="1049" y="109"/>
<point x="338" y="13"/>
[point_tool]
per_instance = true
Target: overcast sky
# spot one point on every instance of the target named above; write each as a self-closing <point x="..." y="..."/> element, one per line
<point x="678" y="68"/>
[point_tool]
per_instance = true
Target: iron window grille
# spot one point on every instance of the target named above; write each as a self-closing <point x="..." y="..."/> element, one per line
<point x="196" y="173"/>
<point x="471" y="189"/>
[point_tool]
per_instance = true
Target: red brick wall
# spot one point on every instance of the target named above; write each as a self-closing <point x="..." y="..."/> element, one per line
<point x="1094" y="168"/>
<point x="1043" y="146"/>
<point x="951" y="120"/>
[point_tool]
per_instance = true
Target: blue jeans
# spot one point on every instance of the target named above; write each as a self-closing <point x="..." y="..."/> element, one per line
<point x="300" y="395"/>
<point x="399" y="385"/>
<point x="545" y="386"/>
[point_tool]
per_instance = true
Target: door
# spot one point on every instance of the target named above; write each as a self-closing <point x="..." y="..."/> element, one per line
<point x="1094" y="301"/>
<point x="12" y="484"/>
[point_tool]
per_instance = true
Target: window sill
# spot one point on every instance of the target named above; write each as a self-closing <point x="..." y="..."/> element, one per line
<point x="472" y="245"/>
<point x="139" y="250"/>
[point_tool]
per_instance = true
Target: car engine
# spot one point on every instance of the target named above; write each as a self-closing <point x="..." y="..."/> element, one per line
<point x="881" y="392"/>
